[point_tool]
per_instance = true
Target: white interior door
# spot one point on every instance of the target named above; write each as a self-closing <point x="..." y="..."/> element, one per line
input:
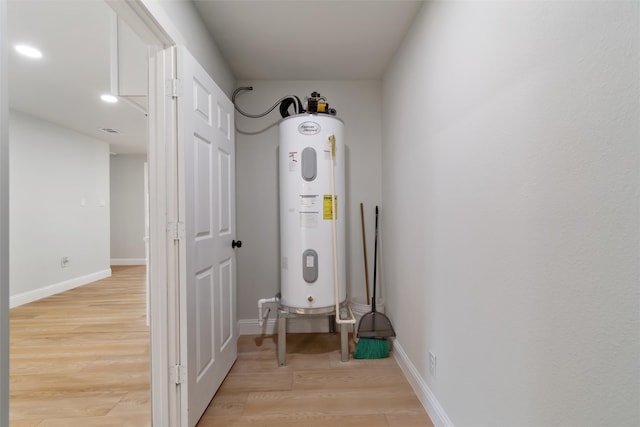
<point x="206" y="170"/>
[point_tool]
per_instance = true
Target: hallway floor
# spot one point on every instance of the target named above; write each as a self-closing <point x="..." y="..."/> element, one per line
<point x="315" y="389"/>
<point x="81" y="359"/>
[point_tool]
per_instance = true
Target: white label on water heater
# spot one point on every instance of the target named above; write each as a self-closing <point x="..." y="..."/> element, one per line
<point x="309" y="202"/>
<point x="309" y="219"/>
<point x="293" y="160"/>
<point x="309" y="210"/>
<point x="309" y="128"/>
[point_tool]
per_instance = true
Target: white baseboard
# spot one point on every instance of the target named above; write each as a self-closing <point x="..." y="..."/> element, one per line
<point x="251" y="327"/>
<point x="56" y="288"/>
<point x="294" y="326"/>
<point x="425" y="395"/>
<point x="128" y="261"/>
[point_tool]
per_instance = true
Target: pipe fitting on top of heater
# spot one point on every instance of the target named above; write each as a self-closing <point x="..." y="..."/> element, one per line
<point x="313" y="104"/>
<point x="336" y="277"/>
<point x="318" y="104"/>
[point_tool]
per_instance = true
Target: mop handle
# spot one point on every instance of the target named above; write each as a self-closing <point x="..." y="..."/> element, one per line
<point x="375" y="262"/>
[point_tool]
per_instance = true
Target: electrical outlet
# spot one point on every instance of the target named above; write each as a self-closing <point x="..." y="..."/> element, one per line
<point x="64" y="261"/>
<point x="432" y="364"/>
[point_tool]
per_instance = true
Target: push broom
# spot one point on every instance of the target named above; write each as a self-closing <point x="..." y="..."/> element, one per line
<point x="375" y="327"/>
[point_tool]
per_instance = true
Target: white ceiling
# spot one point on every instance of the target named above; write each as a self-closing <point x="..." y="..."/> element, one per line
<point x="65" y="85"/>
<point x="308" y="39"/>
<point x="265" y="39"/>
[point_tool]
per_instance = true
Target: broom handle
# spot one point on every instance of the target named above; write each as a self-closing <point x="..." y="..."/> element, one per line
<point x="375" y="262"/>
<point x="364" y="250"/>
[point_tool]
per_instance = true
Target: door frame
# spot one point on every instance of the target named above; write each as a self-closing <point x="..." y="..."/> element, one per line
<point x="4" y="220"/>
<point x="163" y="205"/>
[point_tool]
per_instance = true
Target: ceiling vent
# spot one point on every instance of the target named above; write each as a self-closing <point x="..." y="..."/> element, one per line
<point x="109" y="130"/>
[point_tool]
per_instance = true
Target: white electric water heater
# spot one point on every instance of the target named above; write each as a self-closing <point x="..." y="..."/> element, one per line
<point x="306" y="213"/>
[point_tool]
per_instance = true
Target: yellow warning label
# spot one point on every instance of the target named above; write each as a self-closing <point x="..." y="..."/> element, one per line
<point x="328" y="211"/>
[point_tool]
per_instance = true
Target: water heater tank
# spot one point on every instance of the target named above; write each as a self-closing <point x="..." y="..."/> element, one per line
<point x="306" y="237"/>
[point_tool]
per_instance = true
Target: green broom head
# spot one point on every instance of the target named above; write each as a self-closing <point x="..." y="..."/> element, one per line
<point x="371" y="348"/>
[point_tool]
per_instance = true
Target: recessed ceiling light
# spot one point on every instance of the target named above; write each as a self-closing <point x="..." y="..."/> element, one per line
<point x="109" y="98"/>
<point x="29" y="51"/>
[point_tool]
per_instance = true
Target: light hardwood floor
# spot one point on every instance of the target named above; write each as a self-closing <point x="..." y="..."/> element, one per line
<point x="315" y="389"/>
<point x="81" y="359"/>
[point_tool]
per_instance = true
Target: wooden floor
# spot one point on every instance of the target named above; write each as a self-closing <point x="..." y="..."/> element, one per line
<point x="81" y="359"/>
<point x="315" y="389"/>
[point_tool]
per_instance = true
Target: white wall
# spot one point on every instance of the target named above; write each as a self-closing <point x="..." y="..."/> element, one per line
<point x="127" y="209"/>
<point x="59" y="205"/>
<point x="510" y="188"/>
<point x="358" y="105"/>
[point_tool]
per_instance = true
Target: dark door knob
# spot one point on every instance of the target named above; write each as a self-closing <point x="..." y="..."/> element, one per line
<point x="236" y="244"/>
